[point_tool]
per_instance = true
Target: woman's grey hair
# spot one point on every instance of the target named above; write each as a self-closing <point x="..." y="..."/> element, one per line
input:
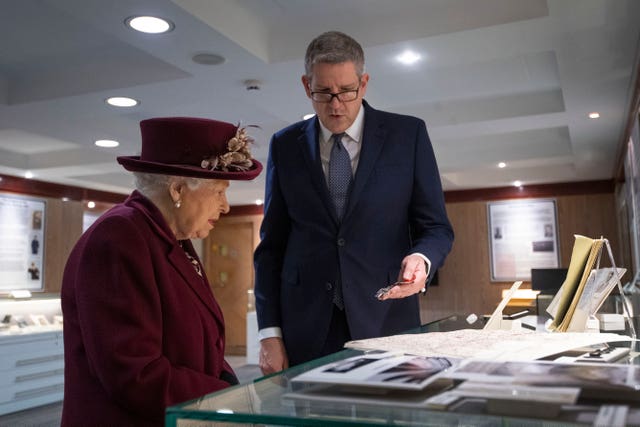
<point x="152" y="184"/>
<point x="334" y="47"/>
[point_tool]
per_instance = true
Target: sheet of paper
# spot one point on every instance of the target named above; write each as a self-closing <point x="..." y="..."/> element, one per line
<point x="496" y="344"/>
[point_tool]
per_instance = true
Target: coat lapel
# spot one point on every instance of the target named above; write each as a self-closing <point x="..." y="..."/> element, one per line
<point x="199" y="285"/>
<point x="373" y="137"/>
<point x="176" y="256"/>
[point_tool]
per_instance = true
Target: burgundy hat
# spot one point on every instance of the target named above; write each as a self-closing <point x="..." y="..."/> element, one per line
<point x="199" y="148"/>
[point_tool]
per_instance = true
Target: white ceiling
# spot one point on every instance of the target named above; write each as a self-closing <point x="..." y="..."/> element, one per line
<point x="500" y="80"/>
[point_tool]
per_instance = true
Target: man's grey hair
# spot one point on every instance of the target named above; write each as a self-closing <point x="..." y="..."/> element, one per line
<point x="334" y="47"/>
<point x="153" y="184"/>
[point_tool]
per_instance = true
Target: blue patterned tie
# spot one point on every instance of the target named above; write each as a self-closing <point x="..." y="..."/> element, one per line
<point x="340" y="174"/>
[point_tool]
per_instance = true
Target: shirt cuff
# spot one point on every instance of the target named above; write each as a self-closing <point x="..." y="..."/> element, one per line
<point x="269" y="333"/>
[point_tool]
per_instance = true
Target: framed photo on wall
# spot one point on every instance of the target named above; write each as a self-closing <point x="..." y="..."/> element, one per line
<point x="523" y="234"/>
<point x="22" y="227"/>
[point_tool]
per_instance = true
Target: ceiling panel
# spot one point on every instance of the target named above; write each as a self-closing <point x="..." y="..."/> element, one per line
<point x="499" y="80"/>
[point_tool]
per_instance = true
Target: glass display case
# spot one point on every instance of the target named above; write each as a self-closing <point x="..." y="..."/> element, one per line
<point x="31" y="353"/>
<point x="266" y="402"/>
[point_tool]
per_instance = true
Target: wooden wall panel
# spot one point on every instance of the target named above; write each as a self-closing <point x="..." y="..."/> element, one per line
<point x="228" y="261"/>
<point x="592" y="215"/>
<point x="467" y="265"/>
<point x="63" y="228"/>
<point x="465" y="280"/>
<point x="586" y="208"/>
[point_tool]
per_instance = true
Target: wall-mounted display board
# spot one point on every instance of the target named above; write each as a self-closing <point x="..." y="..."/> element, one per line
<point x="22" y="222"/>
<point x="632" y="181"/>
<point x="523" y="234"/>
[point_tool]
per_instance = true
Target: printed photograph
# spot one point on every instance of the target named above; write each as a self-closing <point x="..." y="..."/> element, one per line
<point x="349" y="365"/>
<point x="414" y="371"/>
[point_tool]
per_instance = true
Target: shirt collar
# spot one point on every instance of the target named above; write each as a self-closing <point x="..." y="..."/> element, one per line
<point x="354" y="131"/>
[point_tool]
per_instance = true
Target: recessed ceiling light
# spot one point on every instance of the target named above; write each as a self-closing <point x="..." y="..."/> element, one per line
<point x="594" y="115"/>
<point x="107" y="143"/>
<point x="408" y="57"/>
<point x="308" y="116"/>
<point x="208" y="59"/>
<point x="502" y="165"/>
<point x="259" y="202"/>
<point x="252" y="84"/>
<point x="91" y="205"/>
<point x="122" y="101"/>
<point x="28" y="174"/>
<point x="149" y="24"/>
<point x="517" y="183"/>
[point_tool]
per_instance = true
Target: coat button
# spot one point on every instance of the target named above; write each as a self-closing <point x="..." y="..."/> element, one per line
<point x="341" y="242"/>
<point x="328" y="285"/>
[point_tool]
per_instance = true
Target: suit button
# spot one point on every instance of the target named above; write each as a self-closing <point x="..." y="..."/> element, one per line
<point x="341" y="242"/>
<point x="329" y="286"/>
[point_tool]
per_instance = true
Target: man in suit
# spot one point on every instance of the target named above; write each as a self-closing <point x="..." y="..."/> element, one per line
<point x="327" y="248"/>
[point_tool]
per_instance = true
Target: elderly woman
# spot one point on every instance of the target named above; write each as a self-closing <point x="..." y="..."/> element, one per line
<point x="142" y="329"/>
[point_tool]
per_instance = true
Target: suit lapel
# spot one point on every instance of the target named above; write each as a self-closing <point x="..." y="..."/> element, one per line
<point x="311" y="153"/>
<point x="373" y="137"/>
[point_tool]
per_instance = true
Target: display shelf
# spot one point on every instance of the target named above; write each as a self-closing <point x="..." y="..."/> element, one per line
<point x="31" y="355"/>
<point x="31" y="371"/>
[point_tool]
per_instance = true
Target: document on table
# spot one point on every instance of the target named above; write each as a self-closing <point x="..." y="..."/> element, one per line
<point x="514" y="345"/>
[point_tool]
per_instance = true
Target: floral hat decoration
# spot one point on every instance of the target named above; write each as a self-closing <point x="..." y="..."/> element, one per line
<point x="194" y="147"/>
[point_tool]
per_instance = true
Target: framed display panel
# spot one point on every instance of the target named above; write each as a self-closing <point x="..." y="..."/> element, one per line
<point x="523" y="234"/>
<point x="632" y="175"/>
<point x="22" y="227"/>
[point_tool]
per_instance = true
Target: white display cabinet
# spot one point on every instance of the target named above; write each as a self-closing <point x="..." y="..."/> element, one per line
<point x="31" y="354"/>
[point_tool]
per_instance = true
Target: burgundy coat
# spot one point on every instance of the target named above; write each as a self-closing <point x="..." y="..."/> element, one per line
<point x="142" y="330"/>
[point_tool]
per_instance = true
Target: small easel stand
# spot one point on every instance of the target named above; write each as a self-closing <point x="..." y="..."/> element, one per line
<point x="496" y="321"/>
<point x="628" y="313"/>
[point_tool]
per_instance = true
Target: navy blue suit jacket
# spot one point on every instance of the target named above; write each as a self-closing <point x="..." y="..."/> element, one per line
<point x="396" y="207"/>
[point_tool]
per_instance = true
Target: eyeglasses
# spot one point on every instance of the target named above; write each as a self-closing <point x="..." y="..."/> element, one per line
<point x="327" y="97"/>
